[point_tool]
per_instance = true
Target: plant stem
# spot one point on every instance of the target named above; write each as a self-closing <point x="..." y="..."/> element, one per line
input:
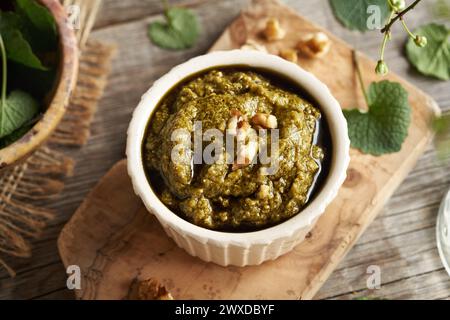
<point x="166" y="11"/>
<point x="391" y="5"/>
<point x="407" y="29"/>
<point x="383" y="46"/>
<point x="360" y="78"/>
<point x="385" y="39"/>
<point x="4" y="70"/>
<point x="399" y="16"/>
<point x="165" y="5"/>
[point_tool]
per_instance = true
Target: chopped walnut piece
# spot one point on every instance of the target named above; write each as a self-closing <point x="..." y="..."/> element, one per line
<point x="267" y="121"/>
<point x="235" y="121"/>
<point x="235" y="113"/>
<point x="232" y="125"/>
<point x="273" y="30"/>
<point x="289" y="55"/>
<point x="237" y="166"/>
<point x="315" y="45"/>
<point x="264" y="192"/>
<point x="152" y="290"/>
<point x="248" y="151"/>
<point x="243" y="125"/>
<point x="248" y="145"/>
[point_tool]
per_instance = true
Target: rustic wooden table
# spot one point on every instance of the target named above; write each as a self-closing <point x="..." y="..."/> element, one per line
<point x="401" y="241"/>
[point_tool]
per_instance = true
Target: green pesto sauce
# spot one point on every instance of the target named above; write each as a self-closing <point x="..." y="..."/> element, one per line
<point x="214" y="196"/>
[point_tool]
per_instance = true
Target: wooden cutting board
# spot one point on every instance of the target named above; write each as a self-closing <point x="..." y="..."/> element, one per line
<point x="116" y="241"/>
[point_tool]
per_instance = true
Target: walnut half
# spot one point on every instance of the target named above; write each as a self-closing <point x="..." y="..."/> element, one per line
<point x="315" y="45"/>
<point x="273" y="30"/>
<point x="149" y="289"/>
<point x="266" y="121"/>
<point x="289" y="55"/>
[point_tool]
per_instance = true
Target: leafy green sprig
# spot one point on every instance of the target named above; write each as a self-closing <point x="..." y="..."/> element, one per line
<point x="427" y="49"/>
<point x="354" y="14"/>
<point x="17" y="109"/>
<point x="383" y="128"/>
<point x="27" y="33"/>
<point x="398" y="12"/>
<point x="434" y="59"/>
<point x="180" y="30"/>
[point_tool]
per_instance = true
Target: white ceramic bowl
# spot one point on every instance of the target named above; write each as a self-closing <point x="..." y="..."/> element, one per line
<point x="239" y="249"/>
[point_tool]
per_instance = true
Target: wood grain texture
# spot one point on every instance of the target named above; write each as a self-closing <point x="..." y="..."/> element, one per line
<point x="101" y="251"/>
<point x="115" y="240"/>
<point x="410" y="214"/>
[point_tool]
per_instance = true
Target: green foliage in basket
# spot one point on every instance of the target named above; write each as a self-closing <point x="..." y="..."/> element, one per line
<point x="29" y="55"/>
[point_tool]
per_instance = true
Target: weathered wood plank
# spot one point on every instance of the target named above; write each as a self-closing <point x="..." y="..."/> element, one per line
<point x="119" y="11"/>
<point x="414" y="204"/>
<point x="427" y="286"/>
<point x="34" y="282"/>
<point x="399" y="257"/>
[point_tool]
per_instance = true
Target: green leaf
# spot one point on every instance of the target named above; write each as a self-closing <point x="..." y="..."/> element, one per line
<point x="17" y="47"/>
<point x="40" y="16"/>
<point x="180" y="31"/>
<point x="442" y="9"/>
<point x="185" y="22"/>
<point x="17" y="110"/>
<point x="37" y="25"/>
<point x="38" y="84"/>
<point x="165" y="36"/>
<point x="10" y="20"/>
<point x="16" y="135"/>
<point x="434" y="59"/>
<point x="384" y="128"/>
<point x="19" y="50"/>
<point x="353" y="13"/>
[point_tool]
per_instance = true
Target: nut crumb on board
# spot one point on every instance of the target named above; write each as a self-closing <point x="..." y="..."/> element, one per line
<point x="273" y="31"/>
<point x="149" y="289"/>
<point x="315" y="45"/>
<point x="289" y="55"/>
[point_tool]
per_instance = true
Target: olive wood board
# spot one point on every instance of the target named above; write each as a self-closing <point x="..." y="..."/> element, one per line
<point x="115" y="241"/>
